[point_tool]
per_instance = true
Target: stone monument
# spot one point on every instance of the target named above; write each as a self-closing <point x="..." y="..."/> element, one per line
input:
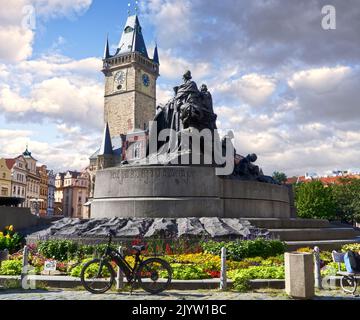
<point x="169" y="183"/>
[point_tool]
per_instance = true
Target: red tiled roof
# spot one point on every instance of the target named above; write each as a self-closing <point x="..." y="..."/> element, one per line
<point x="324" y="180"/>
<point x="10" y="163"/>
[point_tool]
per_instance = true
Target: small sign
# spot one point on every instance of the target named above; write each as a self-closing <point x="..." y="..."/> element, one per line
<point x="50" y="265"/>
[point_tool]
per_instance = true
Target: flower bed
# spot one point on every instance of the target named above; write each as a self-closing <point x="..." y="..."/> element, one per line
<point x="246" y="260"/>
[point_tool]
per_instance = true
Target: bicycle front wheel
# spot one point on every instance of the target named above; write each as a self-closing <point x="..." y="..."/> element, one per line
<point x="97" y="276"/>
<point x="155" y="275"/>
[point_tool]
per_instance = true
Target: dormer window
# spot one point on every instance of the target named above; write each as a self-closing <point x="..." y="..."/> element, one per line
<point x="128" y="29"/>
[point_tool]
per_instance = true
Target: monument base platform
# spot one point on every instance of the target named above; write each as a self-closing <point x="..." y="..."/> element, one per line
<point x="184" y="191"/>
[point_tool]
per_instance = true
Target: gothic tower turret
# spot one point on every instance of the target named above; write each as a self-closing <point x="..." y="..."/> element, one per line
<point x="130" y="85"/>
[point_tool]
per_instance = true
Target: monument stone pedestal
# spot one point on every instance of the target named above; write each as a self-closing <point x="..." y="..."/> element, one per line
<point x="184" y="191"/>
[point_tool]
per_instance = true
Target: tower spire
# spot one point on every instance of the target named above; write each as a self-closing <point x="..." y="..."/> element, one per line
<point x="107" y="48"/>
<point x="106" y="145"/>
<point x="156" y="55"/>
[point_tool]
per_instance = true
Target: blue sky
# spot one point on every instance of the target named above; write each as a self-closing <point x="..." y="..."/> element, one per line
<point x="284" y="85"/>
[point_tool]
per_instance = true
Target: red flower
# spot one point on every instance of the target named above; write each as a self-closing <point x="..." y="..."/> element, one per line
<point x="168" y="249"/>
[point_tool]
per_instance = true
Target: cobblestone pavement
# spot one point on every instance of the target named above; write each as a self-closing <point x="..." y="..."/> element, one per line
<point x="171" y="295"/>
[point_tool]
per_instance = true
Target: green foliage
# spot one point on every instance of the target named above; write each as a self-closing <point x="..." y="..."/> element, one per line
<point x="331" y="269"/>
<point x="242" y="249"/>
<point x="315" y="201"/>
<point x="10" y="240"/>
<point x="241" y="277"/>
<point x="188" y="272"/>
<point x="64" y="250"/>
<point x="280" y="177"/>
<point x="11" y="268"/>
<point x="347" y="199"/>
<point x="351" y="247"/>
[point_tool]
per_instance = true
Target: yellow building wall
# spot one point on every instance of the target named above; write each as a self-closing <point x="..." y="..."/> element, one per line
<point x="5" y="179"/>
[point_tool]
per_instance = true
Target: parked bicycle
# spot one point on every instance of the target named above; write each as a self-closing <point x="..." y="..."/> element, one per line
<point x="154" y="275"/>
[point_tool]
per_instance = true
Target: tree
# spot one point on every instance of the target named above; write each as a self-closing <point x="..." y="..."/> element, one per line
<point x="280" y="177"/>
<point x="313" y="200"/>
<point x="347" y="199"/>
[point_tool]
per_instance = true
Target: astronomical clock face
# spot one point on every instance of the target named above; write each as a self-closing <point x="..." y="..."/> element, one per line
<point x="146" y="80"/>
<point x="120" y="78"/>
<point x="120" y="81"/>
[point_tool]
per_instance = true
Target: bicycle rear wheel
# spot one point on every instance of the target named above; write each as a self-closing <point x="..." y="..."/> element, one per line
<point x="348" y="284"/>
<point x="97" y="276"/>
<point x="155" y="275"/>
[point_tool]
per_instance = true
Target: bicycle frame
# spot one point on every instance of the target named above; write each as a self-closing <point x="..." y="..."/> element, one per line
<point x="130" y="273"/>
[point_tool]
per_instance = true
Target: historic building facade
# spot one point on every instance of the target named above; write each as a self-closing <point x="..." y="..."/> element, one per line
<point x="72" y="193"/>
<point x="32" y="183"/>
<point x="5" y="179"/>
<point x="51" y="193"/>
<point x="18" y="178"/>
<point x="44" y="188"/>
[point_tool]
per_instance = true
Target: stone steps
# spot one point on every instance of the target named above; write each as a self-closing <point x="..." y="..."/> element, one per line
<point x="276" y="223"/>
<point x="314" y="234"/>
<point x="300" y="233"/>
<point x="322" y="244"/>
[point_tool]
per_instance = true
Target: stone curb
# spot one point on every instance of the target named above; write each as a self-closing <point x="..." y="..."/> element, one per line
<point x="64" y="282"/>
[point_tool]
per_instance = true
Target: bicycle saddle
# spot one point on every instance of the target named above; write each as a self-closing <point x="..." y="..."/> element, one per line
<point x="139" y="248"/>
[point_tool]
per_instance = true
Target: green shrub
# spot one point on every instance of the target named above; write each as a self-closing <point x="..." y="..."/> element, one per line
<point x="188" y="272"/>
<point x="351" y="247"/>
<point x="60" y="250"/>
<point x="65" y="250"/>
<point x="241" y="277"/>
<point x="331" y="269"/>
<point x="90" y="272"/>
<point x="10" y="240"/>
<point x="242" y="249"/>
<point x="11" y="268"/>
<point x="315" y="201"/>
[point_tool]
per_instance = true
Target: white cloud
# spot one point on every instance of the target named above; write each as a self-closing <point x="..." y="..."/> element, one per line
<point x="16" y="36"/>
<point x="319" y="80"/>
<point x="58" y="8"/>
<point x="56" y="88"/>
<point x="253" y="89"/>
<point x="173" y="67"/>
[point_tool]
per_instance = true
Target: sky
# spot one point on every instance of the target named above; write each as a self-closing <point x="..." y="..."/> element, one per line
<point x="288" y="88"/>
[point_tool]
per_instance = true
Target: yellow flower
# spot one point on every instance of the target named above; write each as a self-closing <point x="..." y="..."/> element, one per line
<point x="11" y="228"/>
<point x="7" y="236"/>
<point x="1" y="234"/>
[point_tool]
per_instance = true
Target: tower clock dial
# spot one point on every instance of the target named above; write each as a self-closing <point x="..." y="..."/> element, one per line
<point x="146" y="80"/>
<point x="120" y="77"/>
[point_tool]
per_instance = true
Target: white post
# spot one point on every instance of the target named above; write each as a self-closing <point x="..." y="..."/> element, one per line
<point x="120" y="274"/>
<point x="25" y="263"/>
<point x="223" y="278"/>
<point x="317" y="269"/>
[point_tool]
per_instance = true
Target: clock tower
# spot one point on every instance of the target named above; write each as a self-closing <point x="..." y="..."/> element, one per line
<point x="130" y="82"/>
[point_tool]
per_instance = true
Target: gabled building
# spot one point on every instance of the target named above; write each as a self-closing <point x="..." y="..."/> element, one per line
<point x="33" y="183"/>
<point x="18" y="178"/>
<point x="5" y="179"/>
<point x="72" y="191"/>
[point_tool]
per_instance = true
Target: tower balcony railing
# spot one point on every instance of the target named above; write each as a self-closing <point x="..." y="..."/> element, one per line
<point x="129" y="58"/>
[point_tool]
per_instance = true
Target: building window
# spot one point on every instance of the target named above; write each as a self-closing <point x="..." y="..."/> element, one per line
<point x="4" y="191"/>
<point x="4" y="175"/>
<point x="137" y="151"/>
